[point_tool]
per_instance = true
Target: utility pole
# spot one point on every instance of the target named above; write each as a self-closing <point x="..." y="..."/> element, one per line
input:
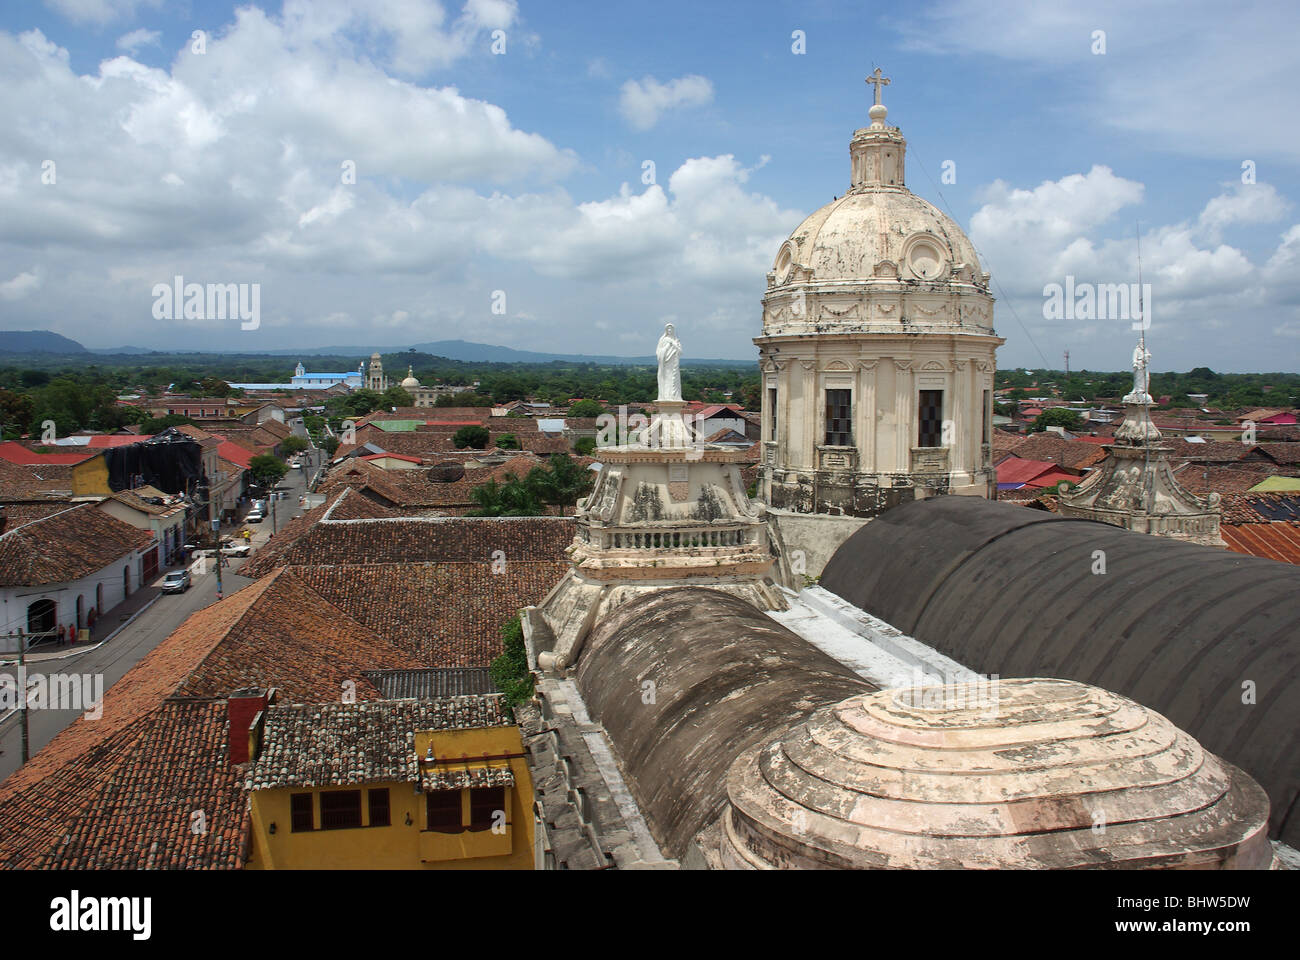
<point x="1067" y="365"/>
<point x="22" y="695"/>
<point x="215" y="514"/>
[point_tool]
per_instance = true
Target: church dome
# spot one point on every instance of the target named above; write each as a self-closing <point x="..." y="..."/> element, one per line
<point x="410" y="383"/>
<point x="887" y="232"/>
<point x="1013" y="774"/>
<point x="879" y="259"/>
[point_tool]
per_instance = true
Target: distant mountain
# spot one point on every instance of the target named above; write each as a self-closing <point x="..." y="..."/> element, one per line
<point x="468" y="352"/>
<point x="37" y="341"/>
<point x="119" y="351"/>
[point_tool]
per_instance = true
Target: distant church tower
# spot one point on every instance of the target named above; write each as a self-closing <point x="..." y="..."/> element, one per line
<point x="375" y="379"/>
<point x="1134" y="487"/>
<point x="299" y="370"/>
<point x="876" y="358"/>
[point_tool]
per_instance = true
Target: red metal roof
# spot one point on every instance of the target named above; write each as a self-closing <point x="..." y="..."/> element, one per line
<point x="392" y="456"/>
<point x="1017" y="470"/>
<point x="1052" y="477"/>
<point x="17" y="453"/>
<point x="102" y="440"/>
<point x="228" y="450"/>
<point x="1278" y="540"/>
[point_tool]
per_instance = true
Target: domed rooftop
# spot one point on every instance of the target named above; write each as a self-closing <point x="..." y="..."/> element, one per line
<point x="1026" y="773"/>
<point x="848" y="238"/>
<point x="410" y="383"/>
<point x="879" y="259"/>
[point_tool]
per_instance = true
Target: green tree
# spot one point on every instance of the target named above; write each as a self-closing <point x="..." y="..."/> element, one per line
<point x="397" y="397"/>
<point x="267" y="470"/>
<point x="329" y="445"/>
<point x="511" y="498"/>
<point x="159" y="424"/>
<point x="508" y="441"/>
<point x="586" y="409"/>
<point x="562" y="483"/>
<point x="584" y="446"/>
<point x="510" y="670"/>
<point x="293" y="444"/>
<point x="1056" y="417"/>
<point x="473" y="436"/>
<point x="15" y="413"/>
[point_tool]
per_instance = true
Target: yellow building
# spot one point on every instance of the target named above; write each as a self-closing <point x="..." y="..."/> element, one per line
<point x="390" y="784"/>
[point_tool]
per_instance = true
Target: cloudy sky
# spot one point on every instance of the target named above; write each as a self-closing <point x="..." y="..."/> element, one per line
<point x="389" y="171"/>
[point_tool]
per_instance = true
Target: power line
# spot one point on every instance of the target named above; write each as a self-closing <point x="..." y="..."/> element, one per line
<point x="985" y="260"/>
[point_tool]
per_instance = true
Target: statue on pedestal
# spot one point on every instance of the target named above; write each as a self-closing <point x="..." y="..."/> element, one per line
<point x="669" y="352"/>
<point x="1141" y="375"/>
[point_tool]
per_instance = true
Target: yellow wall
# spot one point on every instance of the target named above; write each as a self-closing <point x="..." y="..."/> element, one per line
<point x="398" y="846"/>
<point x="90" y="478"/>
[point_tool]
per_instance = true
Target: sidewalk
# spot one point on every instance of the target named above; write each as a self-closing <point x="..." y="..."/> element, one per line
<point x="104" y="627"/>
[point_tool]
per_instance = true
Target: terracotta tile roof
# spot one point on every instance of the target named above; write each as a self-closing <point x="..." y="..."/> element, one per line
<point x="446" y="614"/>
<point x="436" y="539"/>
<point x="1288" y="453"/>
<point x="338" y="744"/>
<point x="119" y="791"/>
<point x="34" y="482"/>
<point x="1070" y="454"/>
<point x="294" y="640"/>
<point x="436" y="443"/>
<point x="25" y="511"/>
<point x="137" y="501"/>
<point x="128" y="801"/>
<point x="1212" y="451"/>
<point x="1237" y="478"/>
<point x="468" y="414"/>
<point x="66" y="546"/>
<point x="414" y="489"/>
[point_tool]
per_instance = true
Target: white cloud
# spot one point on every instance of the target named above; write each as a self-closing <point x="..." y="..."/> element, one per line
<point x="227" y="168"/>
<point x="99" y="11"/>
<point x="133" y="41"/>
<point x="1073" y="227"/>
<point x="415" y="35"/>
<point x="644" y="102"/>
<point x="20" y="286"/>
<point x="1168" y="74"/>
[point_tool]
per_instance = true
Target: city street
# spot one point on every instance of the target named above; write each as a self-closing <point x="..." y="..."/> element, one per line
<point x="150" y="628"/>
<point x="111" y="659"/>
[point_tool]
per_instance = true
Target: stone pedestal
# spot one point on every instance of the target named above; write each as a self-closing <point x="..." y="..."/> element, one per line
<point x="662" y="514"/>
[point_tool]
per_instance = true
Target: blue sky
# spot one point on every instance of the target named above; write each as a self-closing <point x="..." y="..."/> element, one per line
<point x="522" y="172"/>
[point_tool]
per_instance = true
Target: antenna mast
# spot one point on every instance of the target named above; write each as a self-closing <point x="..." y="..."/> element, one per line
<point x="1148" y="487"/>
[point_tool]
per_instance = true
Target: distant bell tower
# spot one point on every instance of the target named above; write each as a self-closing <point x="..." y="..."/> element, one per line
<point x="375" y="379"/>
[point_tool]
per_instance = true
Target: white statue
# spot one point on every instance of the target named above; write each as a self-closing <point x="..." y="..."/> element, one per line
<point x="1141" y="371"/>
<point x="669" y="352"/>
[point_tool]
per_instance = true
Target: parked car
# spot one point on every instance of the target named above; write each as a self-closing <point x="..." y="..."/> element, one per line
<point x="176" y="581"/>
<point x="255" y="516"/>
<point x="237" y="550"/>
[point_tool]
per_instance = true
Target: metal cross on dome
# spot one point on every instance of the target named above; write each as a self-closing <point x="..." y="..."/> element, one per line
<point x="879" y="82"/>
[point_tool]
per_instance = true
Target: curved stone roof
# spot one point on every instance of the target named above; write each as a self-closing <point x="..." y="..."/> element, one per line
<point x="846" y="238"/>
<point x="724" y="677"/>
<point x="1022" y="774"/>
<point x="1187" y="630"/>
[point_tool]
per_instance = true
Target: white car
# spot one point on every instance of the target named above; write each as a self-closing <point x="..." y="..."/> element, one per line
<point x="237" y="550"/>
